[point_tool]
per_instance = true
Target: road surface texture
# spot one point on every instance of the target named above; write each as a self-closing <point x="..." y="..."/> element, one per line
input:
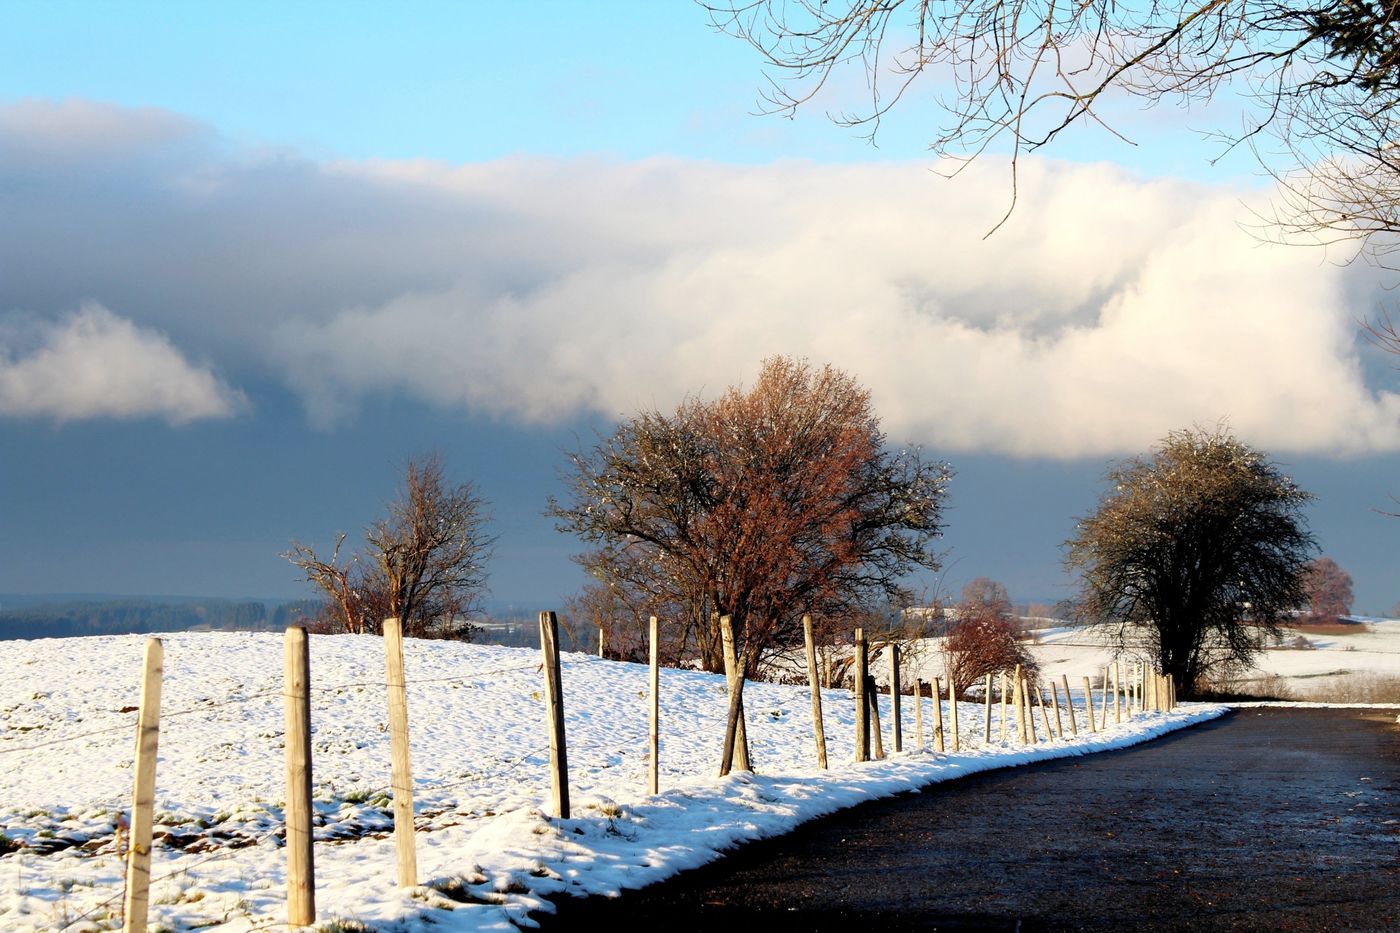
<point x="1279" y="819"/>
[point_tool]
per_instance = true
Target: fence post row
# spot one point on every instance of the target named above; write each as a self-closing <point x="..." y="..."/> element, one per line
<point x="402" y="771"/>
<point x="554" y="712"/>
<point x="143" y="791"/>
<point x="301" y="873"/>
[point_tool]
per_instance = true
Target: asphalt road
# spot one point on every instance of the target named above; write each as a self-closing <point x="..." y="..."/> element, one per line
<point x="1261" y="820"/>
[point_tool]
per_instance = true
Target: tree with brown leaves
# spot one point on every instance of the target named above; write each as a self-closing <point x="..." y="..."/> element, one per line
<point x="761" y="505"/>
<point x="424" y="562"/>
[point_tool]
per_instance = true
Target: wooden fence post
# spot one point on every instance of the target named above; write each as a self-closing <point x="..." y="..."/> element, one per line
<point x="1044" y="716"/>
<point x="654" y="769"/>
<point x="1089" y="704"/>
<point x="1030" y="709"/>
<point x="402" y="772"/>
<point x="1103" y="701"/>
<point x="143" y="791"/>
<point x="554" y="703"/>
<point x="896" y="698"/>
<point x="1055" y="703"/>
<point x="1117" y="693"/>
<point x="861" y="665"/>
<point x="1069" y="701"/>
<point x="1003" y="705"/>
<point x="736" y="737"/>
<point x="937" y="716"/>
<point x="877" y="740"/>
<point x="301" y="873"/>
<point x="1018" y="701"/>
<point x="602" y="642"/>
<point x="987" y="739"/>
<point x="818" y="727"/>
<point x="919" y="711"/>
<point x="953" y="710"/>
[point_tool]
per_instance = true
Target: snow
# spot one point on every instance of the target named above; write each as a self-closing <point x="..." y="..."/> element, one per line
<point x="487" y="853"/>
<point x="1372" y="651"/>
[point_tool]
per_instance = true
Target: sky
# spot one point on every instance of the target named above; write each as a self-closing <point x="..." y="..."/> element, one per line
<point x="255" y="256"/>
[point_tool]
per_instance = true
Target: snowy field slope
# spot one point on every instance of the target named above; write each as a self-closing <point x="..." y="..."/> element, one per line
<point x="1372" y="651"/>
<point x="479" y="753"/>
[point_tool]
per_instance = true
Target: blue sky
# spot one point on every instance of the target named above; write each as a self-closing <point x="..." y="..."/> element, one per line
<point x="288" y="245"/>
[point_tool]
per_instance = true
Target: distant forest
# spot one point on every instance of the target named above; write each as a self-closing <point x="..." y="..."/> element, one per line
<point x="23" y="617"/>
<point x="139" y="616"/>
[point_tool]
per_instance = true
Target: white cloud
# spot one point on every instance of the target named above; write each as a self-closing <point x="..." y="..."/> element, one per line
<point x="94" y="364"/>
<point x="1109" y="311"/>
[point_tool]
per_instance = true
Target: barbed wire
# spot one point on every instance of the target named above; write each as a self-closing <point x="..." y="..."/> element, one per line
<point x="278" y="692"/>
<point x="221" y="853"/>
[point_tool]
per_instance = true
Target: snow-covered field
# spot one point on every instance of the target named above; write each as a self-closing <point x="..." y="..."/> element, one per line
<point x="479" y="752"/>
<point x="1334" y="665"/>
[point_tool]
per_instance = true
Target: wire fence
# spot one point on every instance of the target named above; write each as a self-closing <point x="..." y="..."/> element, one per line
<point x="223" y="848"/>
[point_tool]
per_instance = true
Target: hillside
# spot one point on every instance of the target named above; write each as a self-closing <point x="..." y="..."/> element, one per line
<point x="479" y="754"/>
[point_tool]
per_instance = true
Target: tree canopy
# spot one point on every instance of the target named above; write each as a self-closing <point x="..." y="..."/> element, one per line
<point x="761" y="505"/>
<point x="1200" y="547"/>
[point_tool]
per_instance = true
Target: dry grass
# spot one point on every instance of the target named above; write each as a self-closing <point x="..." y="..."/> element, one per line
<point x="1355" y="688"/>
<point x="1268" y="687"/>
<point x="1330" y="628"/>
<point x="1331" y="688"/>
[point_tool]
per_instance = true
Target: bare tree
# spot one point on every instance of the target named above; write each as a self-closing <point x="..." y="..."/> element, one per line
<point x="1200" y="547"/>
<point x="1321" y="76"/>
<point x="1329" y="590"/>
<point x="761" y="505"/>
<point x="424" y="562"/>
<point x="986" y="593"/>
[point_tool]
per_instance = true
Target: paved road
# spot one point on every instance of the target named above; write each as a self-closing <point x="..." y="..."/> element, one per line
<point x="1262" y="820"/>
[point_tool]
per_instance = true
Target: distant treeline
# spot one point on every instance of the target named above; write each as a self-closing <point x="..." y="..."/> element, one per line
<point x="525" y="633"/>
<point x="138" y="616"/>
